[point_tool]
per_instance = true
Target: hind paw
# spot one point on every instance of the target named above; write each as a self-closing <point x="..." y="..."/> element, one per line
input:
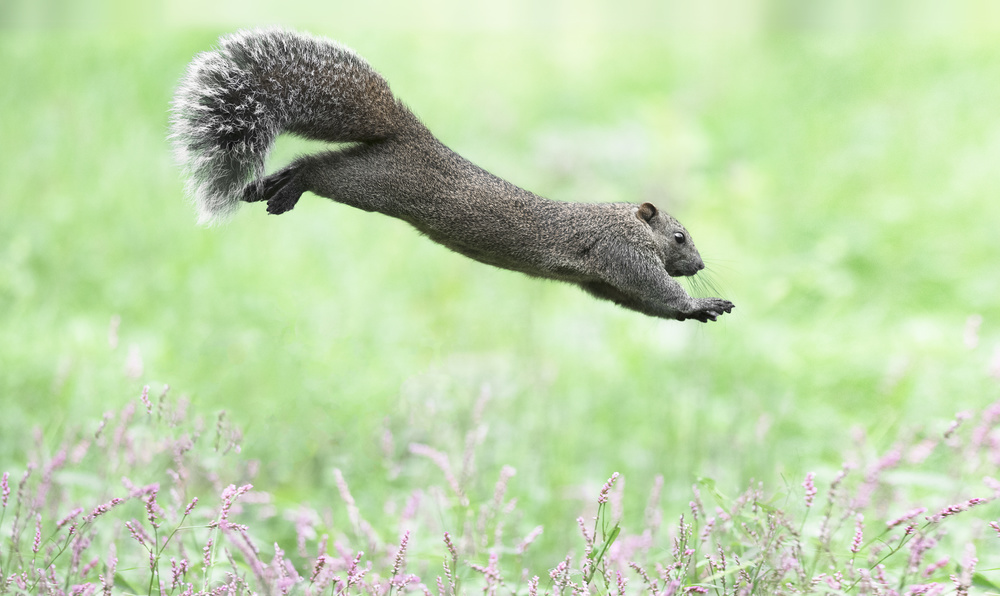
<point x="280" y="190"/>
<point x="283" y="200"/>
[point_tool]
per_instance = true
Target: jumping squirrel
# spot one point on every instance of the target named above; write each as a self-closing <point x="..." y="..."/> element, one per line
<point x="234" y="101"/>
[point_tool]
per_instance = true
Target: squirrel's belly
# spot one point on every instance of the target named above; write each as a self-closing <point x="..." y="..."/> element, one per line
<point x="522" y="256"/>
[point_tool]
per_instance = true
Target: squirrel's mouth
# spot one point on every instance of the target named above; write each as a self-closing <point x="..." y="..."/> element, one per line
<point x="686" y="270"/>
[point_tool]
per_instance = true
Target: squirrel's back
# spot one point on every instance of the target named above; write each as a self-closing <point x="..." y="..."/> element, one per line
<point x="234" y="101"/>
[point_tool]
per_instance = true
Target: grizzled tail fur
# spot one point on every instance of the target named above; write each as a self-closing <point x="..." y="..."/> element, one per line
<point x="234" y="101"/>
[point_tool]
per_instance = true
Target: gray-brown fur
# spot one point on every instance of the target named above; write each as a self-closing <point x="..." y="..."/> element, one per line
<point x="234" y="101"/>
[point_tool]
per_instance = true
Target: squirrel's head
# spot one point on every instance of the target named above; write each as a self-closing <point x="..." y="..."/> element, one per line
<point x="673" y="243"/>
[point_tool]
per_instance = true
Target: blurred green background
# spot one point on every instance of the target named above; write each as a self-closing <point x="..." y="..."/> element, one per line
<point x="837" y="164"/>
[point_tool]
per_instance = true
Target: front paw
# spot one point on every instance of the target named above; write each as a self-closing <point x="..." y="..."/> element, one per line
<point x="709" y="309"/>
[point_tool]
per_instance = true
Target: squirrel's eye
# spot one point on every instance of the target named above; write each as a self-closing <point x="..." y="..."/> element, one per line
<point x="679" y="237"/>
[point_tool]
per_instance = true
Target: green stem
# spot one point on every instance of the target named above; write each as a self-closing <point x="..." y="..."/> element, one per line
<point x="892" y="550"/>
<point x="3" y="513"/>
<point x="756" y="571"/>
<point x="69" y="539"/>
<point x="155" y="553"/>
<point x="213" y="535"/>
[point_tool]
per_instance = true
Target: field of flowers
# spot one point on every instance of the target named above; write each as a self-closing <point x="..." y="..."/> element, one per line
<point x="326" y="402"/>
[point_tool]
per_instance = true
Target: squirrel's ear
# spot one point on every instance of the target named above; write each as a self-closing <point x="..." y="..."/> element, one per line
<point x="646" y="212"/>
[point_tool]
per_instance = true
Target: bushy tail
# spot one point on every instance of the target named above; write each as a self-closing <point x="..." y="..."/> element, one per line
<point x="234" y="101"/>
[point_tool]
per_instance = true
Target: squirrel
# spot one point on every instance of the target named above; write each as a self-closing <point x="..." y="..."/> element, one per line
<point x="233" y="102"/>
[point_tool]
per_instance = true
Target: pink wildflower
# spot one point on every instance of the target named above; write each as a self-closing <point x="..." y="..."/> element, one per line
<point x="440" y="459"/>
<point x="102" y="509"/>
<point x="905" y="517"/>
<point x="559" y="573"/>
<point x="622" y="582"/>
<point x="506" y="473"/>
<point x="835" y="484"/>
<point x="137" y="533"/>
<point x="229" y="496"/>
<point x="90" y="566"/>
<point x="810" y="487"/>
<point x="834" y="581"/>
<point x="151" y="507"/>
<point x="110" y="575"/>
<point x="930" y="569"/>
<point x="603" y="498"/>
<point x="38" y="535"/>
<point x="354" y="575"/>
<point x="859" y="527"/>
<point x="706" y="532"/>
<point x="671" y="588"/>
<point x="532" y="586"/>
<point x="532" y="535"/>
<point x="145" y="400"/>
<point x="953" y="509"/>
<point x="921" y="451"/>
<point x="177" y="571"/>
<point x="4" y="489"/>
<point x="318" y="568"/>
<point x="879" y="574"/>
<point x="303" y="530"/>
<point x="400" y="561"/>
<point x="586" y="533"/>
<point x="491" y="572"/>
<point x="918" y="547"/>
<point x="69" y="517"/>
<point x="450" y="545"/>
<point x="957" y="422"/>
<point x="964" y="580"/>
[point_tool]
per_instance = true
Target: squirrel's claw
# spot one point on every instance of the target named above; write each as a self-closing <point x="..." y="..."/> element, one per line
<point x="715" y="308"/>
<point x="277" y="189"/>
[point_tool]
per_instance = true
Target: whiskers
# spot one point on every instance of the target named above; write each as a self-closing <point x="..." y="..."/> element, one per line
<point x="706" y="284"/>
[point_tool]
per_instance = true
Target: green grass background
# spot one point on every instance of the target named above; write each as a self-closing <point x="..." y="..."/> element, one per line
<point x="838" y="167"/>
